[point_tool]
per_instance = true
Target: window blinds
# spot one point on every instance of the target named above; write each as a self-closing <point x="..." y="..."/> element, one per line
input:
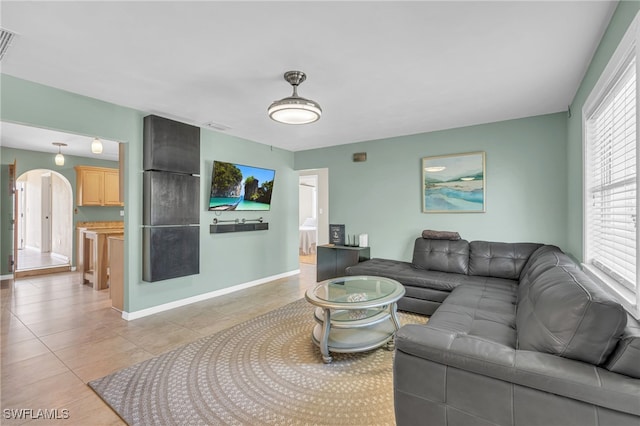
<point x="612" y="181"/>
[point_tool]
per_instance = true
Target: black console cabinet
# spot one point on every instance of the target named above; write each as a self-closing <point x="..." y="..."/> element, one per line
<point x="333" y="260"/>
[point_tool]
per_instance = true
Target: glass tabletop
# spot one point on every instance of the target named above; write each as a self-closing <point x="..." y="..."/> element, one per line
<point x="356" y="289"/>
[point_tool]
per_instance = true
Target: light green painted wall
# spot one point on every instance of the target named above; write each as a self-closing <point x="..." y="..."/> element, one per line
<point x="225" y="260"/>
<point x="249" y="255"/>
<point x="525" y="178"/>
<point x="623" y="16"/>
<point x="30" y="160"/>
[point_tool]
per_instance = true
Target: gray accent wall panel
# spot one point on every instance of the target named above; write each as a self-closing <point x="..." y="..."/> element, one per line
<point x="170" y="252"/>
<point x="171" y="198"/>
<point x="171" y="146"/>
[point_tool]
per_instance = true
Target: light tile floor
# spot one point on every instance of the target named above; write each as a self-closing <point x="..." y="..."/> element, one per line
<point x="57" y="334"/>
<point x="29" y="258"/>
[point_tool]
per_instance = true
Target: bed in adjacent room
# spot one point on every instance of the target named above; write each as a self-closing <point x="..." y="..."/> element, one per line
<point x="308" y="236"/>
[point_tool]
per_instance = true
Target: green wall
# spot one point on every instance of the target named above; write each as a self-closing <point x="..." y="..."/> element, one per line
<point x="225" y="260"/>
<point x="30" y="160"/>
<point x="525" y="178"/>
<point x="623" y="16"/>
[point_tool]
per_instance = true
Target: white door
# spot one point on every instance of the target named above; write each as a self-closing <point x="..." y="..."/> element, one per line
<point x="22" y="205"/>
<point x="45" y="243"/>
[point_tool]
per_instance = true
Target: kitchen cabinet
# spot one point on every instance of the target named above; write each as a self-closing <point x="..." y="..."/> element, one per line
<point x="97" y="186"/>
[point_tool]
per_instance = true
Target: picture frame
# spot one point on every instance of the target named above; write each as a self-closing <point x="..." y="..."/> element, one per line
<point x="454" y="183"/>
<point x="336" y="234"/>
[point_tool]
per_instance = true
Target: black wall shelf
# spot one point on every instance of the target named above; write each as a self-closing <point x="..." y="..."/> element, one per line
<point x="238" y="227"/>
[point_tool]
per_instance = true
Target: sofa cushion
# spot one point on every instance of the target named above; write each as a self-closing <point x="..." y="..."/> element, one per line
<point x="441" y="255"/>
<point x="440" y="235"/>
<point x="564" y="313"/>
<point x="405" y="273"/>
<point x="625" y="359"/>
<point x="502" y="260"/>
<point x="543" y="259"/>
<point x="410" y="276"/>
<point x="538" y="256"/>
<point x="426" y="293"/>
<point x="490" y="296"/>
<point x="486" y="311"/>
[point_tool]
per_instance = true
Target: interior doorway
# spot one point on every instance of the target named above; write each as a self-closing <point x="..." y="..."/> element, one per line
<point x="45" y="222"/>
<point x="313" y="218"/>
<point x="308" y="218"/>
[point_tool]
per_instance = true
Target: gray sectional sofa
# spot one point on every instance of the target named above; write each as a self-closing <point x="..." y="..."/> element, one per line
<point x="518" y="335"/>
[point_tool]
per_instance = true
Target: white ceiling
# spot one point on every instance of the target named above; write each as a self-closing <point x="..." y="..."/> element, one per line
<point x="378" y="69"/>
<point x="18" y="136"/>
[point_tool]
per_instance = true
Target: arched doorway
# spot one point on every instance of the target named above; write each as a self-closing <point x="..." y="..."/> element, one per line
<point x="44" y="222"/>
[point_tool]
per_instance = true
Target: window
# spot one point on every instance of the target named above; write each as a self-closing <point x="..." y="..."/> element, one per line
<point x="611" y="175"/>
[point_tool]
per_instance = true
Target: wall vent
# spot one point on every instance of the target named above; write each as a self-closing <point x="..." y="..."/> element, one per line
<point x="359" y="157"/>
<point x="6" y="37"/>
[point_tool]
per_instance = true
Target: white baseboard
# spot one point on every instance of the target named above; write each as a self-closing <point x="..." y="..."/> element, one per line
<point x="205" y="296"/>
<point x="6" y="277"/>
<point x="59" y="256"/>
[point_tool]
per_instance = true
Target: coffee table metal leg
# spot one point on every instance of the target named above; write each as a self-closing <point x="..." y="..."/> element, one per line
<point x="394" y="315"/>
<point x="324" y="338"/>
<point x="393" y="308"/>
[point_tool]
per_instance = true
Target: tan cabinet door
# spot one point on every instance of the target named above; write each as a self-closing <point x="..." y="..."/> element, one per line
<point x="92" y="188"/>
<point x="112" y="188"/>
<point x="97" y="186"/>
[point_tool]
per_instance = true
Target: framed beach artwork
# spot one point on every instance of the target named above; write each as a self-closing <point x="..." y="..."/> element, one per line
<point x="454" y="183"/>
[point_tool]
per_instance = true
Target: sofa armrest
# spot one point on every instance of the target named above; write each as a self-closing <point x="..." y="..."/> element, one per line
<point x="456" y="349"/>
<point x="578" y="380"/>
<point x="541" y="371"/>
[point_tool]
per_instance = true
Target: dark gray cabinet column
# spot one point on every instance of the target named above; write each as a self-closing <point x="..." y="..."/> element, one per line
<point x="171" y="194"/>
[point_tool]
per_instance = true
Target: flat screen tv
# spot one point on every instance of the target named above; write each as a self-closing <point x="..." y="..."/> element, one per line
<point x="241" y="188"/>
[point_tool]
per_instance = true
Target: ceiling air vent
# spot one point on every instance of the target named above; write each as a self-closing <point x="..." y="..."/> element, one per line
<point x="6" y="37"/>
<point x="217" y="126"/>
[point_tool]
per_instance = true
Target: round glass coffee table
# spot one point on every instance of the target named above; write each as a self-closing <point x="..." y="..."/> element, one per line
<point x="354" y="314"/>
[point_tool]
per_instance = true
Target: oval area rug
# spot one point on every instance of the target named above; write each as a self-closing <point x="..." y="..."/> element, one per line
<point x="265" y="371"/>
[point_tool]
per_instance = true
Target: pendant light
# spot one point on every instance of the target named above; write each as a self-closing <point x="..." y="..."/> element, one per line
<point x="96" y="146"/>
<point x="59" y="158"/>
<point x="295" y="109"/>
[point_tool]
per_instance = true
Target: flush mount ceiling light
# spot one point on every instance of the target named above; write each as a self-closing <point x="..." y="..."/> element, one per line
<point x="294" y="109"/>
<point x="59" y="159"/>
<point x="96" y="146"/>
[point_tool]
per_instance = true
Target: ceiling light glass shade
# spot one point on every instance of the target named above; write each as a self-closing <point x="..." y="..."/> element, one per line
<point x="96" y="146"/>
<point x="59" y="158"/>
<point x="295" y="109"/>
